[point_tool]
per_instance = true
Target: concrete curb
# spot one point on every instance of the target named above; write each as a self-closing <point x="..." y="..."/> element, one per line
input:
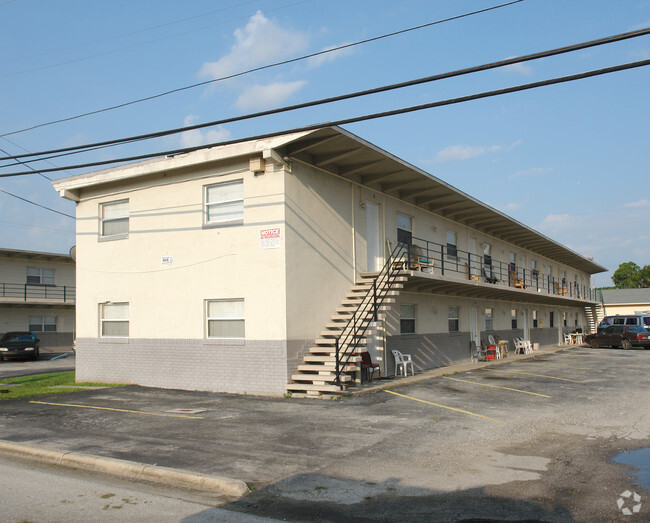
<point x="127" y="469"/>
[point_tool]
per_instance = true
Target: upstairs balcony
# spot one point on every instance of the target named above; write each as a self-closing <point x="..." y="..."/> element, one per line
<point x="444" y="269"/>
<point x="30" y="294"/>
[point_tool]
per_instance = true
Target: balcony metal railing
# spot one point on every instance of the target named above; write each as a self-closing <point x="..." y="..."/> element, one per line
<point x="449" y="259"/>
<point x="34" y="292"/>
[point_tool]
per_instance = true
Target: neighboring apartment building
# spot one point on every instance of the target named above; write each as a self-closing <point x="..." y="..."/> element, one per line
<point x="229" y="268"/>
<point x="37" y="293"/>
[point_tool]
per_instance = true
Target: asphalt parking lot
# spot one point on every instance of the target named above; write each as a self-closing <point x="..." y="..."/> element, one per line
<point x="528" y="439"/>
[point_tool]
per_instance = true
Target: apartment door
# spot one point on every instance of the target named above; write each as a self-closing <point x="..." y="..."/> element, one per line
<point x="476" y="335"/>
<point x="372" y="236"/>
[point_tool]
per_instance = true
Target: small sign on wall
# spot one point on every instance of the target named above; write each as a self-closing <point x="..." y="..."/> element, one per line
<point x="270" y="238"/>
<point x="166" y="260"/>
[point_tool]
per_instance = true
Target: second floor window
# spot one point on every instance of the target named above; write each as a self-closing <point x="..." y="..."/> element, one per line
<point x="224" y="203"/>
<point x="404" y="228"/>
<point x="114" y="219"/>
<point x="39" y="276"/>
<point x="452" y="244"/>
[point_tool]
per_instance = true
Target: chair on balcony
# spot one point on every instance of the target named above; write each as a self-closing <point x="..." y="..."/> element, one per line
<point x="516" y="281"/>
<point x="489" y="278"/>
<point x="404" y="360"/>
<point x="560" y="291"/>
<point x="418" y="261"/>
<point x="368" y="368"/>
<point x="470" y="273"/>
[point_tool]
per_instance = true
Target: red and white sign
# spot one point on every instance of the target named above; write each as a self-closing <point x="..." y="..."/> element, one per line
<point x="270" y="238"/>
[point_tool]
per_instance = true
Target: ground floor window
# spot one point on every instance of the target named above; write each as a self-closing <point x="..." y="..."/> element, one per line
<point x="551" y="319"/>
<point x="225" y="318"/>
<point x="564" y="322"/>
<point x="513" y="318"/>
<point x="454" y="321"/>
<point x="42" y="323"/>
<point x="489" y="319"/>
<point x="114" y="320"/>
<point x="407" y="319"/>
<point x="535" y="322"/>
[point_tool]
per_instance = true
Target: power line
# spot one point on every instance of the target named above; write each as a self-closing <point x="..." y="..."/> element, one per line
<point x="394" y="112"/>
<point x="418" y="81"/>
<point x="26" y="164"/>
<point x="37" y="204"/>
<point x="261" y="68"/>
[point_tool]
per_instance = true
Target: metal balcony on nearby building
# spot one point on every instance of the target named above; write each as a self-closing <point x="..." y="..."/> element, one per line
<point x="30" y="293"/>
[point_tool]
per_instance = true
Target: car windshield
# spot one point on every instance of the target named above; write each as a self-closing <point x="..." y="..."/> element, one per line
<point x="17" y="337"/>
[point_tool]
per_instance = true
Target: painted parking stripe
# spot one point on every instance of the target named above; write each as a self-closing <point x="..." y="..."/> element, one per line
<point x="497" y="387"/>
<point x="531" y="374"/>
<point x="115" y="410"/>
<point x="444" y="406"/>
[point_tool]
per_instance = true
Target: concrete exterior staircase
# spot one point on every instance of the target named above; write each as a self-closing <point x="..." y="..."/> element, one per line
<point x="317" y="374"/>
<point x="594" y="316"/>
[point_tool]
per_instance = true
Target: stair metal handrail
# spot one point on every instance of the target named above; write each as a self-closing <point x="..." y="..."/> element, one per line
<point x="348" y="341"/>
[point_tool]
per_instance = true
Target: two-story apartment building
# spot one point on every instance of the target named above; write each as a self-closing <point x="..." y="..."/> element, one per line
<point x="237" y="268"/>
<point x="37" y="293"/>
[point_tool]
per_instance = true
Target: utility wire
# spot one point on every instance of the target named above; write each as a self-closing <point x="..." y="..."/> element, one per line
<point x="418" y="81"/>
<point x="394" y="112"/>
<point x="27" y="165"/>
<point x="37" y="204"/>
<point x="261" y="68"/>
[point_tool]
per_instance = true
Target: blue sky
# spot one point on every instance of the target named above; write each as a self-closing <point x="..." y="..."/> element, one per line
<point x="571" y="160"/>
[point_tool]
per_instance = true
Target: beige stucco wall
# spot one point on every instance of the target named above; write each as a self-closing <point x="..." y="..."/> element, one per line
<point x="626" y="308"/>
<point x="168" y="301"/>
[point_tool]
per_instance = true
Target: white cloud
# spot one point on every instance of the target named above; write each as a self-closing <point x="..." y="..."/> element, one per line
<point x="260" y="42"/>
<point x="197" y="137"/>
<point x="317" y="61"/>
<point x="511" y="207"/>
<point x="466" y="152"/>
<point x="264" y="96"/>
<point x="520" y="68"/>
<point x="641" y="204"/>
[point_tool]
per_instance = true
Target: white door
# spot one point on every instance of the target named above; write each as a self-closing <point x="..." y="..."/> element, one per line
<point x="372" y="236"/>
<point x="475" y="332"/>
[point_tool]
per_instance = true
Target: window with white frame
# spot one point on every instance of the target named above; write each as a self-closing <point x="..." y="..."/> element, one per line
<point x="42" y="323"/>
<point x="513" y="318"/>
<point x="489" y="319"/>
<point x="452" y="244"/>
<point x="453" y="319"/>
<point x="114" y="219"/>
<point x="535" y="322"/>
<point x="224" y="203"/>
<point x="407" y="319"/>
<point x="225" y="319"/>
<point x="40" y="276"/>
<point x="114" y="318"/>
<point x="404" y="228"/>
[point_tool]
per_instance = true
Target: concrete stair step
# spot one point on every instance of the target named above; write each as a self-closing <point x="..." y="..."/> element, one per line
<point x="325" y="367"/>
<point x="311" y="387"/>
<point x="331" y="350"/>
<point x="320" y="377"/>
<point x="329" y="359"/>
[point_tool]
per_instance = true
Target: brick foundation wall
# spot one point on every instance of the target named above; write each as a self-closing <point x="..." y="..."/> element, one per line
<point x="251" y="367"/>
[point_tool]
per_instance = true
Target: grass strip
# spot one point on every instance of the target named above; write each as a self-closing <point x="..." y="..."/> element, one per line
<point x="41" y="384"/>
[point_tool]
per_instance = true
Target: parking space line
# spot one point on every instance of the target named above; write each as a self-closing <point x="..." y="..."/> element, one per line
<point x="115" y="410"/>
<point x="497" y="387"/>
<point x="531" y="374"/>
<point x="445" y="407"/>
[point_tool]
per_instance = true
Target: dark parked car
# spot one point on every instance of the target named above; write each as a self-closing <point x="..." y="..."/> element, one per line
<point x="19" y="344"/>
<point x="625" y="336"/>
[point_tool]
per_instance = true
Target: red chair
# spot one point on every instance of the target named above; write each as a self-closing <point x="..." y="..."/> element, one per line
<point x="368" y="368"/>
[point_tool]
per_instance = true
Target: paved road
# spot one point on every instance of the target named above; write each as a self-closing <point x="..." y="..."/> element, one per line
<point x="47" y="362"/>
<point x="531" y="439"/>
<point x="39" y="493"/>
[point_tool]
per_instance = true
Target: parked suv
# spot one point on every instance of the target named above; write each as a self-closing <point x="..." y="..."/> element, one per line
<point x="624" y="336"/>
<point x="625" y="319"/>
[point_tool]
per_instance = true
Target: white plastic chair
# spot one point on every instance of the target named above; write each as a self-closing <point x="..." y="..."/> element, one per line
<point x="491" y="340"/>
<point x="404" y="360"/>
<point x="567" y="339"/>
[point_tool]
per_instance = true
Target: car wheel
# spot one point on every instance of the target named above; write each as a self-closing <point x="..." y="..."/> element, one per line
<point x="594" y="344"/>
<point x="626" y="344"/>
